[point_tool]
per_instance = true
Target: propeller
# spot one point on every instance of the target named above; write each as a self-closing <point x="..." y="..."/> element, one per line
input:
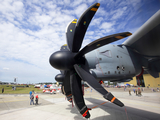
<point x="65" y="78"/>
<point x="72" y="61"/>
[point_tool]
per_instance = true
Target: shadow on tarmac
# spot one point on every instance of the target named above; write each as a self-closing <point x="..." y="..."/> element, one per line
<point x="132" y="113"/>
<point x="114" y="112"/>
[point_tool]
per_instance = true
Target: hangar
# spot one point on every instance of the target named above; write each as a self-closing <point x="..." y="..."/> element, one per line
<point x="146" y="80"/>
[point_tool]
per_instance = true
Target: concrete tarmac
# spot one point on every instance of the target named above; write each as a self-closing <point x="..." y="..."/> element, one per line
<point x="55" y="107"/>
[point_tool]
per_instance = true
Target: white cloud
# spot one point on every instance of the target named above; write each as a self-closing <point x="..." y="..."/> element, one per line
<point x="90" y="1"/>
<point x="67" y="2"/>
<point x="96" y="21"/>
<point x="12" y="9"/>
<point x="80" y="9"/>
<point x="18" y="6"/>
<point x="76" y="3"/>
<point x="102" y="12"/>
<point x="107" y="26"/>
<point x="90" y="33"/>
<point x="118" y="13"/>
<point x="5" y="68"/>
<point x="32" y="30"/>
<point x="29" y="46"/>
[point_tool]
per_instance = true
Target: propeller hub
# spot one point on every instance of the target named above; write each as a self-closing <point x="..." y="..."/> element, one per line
<point x="60" y="77"/>
<point x="62" y="60"/>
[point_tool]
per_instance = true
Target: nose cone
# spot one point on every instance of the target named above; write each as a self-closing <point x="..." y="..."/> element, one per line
<point x="62" y="60"/>
<point x="60" y="77"/>
<point x="56" y="59"/>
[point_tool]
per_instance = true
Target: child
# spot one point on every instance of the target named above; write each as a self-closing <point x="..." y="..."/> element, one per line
<point x="36" y="99"/>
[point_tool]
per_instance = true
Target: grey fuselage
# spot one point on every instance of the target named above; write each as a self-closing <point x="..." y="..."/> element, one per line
<point x="113" y="62"/>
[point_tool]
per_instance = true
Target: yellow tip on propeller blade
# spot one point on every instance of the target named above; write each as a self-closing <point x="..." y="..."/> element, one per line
<point x="74" y="21"/>
<point x="93" y="9"/>
<point x="129" y="34"/>
<point x="119" y="37"/>
<point x="98" y="4"/>
<point x="65" y="45"/>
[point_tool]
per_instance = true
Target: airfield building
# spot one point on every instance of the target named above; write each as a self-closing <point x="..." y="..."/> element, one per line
<point x="146" y="80"/>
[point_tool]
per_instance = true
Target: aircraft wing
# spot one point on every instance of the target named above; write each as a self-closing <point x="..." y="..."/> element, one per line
<point x="146" y="42"/>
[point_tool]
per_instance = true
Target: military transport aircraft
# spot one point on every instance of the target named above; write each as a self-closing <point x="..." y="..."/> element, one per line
<point x="96" y="62"/>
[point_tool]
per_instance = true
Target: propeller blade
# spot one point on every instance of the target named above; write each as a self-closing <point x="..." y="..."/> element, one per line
<point x="82" y="26"/>
<point x="100" y="42"/>
<point x="78" y="94"/>
<point x="66" y="88"/>
<point x="86" y="76"/>
<point x="64" y="47"/>
<point x="70" y="33"/>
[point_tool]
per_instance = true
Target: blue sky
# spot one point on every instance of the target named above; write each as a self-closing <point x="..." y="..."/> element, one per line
<point x="31" y="30"/>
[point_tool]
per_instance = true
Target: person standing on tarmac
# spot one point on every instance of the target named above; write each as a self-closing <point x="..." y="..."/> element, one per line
<point x="36" y="100"/>
<point x="32" y="99"/>
<point x="30" y="93"/>
<point x="129" y="92"/>
<point x="2" y="90"/>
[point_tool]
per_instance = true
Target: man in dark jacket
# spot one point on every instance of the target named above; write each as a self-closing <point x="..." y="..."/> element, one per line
<point x="32" y="99"/>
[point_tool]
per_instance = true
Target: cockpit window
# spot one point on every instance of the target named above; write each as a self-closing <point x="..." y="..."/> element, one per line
<point x="106" y="53"/>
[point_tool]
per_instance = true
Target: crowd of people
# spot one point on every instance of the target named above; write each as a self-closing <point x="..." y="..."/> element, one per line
<point x="139" y="91"/>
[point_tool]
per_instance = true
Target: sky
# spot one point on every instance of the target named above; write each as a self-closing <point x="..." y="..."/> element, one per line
<point x="31" y="30"/>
